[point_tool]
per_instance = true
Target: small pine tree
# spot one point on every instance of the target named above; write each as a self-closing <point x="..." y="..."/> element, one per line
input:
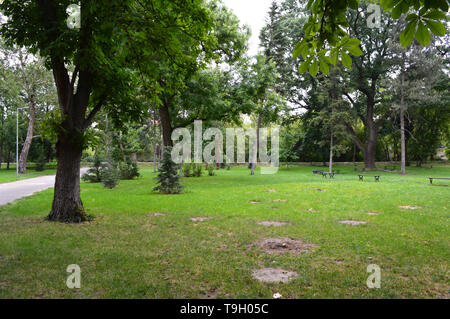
<point x="110" y="176"/>
<point x="94" y="174"/>
<point x="168" y="178"/>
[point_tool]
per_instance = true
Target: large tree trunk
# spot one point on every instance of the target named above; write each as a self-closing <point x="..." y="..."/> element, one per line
<point x="28" y="140"/>
<point x="402" y="118"/>
<point x="67" y="205"/>
<point x="166" y="124"/>
<point x="369" y="154"/>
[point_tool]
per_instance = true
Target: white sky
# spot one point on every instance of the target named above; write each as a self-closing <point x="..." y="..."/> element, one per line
<point x="252" y="13"/>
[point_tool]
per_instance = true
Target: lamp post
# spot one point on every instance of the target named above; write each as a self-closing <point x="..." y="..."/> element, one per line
<point x="17" y="140"/>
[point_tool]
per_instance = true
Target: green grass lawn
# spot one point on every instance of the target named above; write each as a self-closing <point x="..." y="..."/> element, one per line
<point x="7" y="176"/>
<point x="128" y="253"/>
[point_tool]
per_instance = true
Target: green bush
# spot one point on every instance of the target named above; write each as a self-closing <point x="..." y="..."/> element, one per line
<point x="168" y="178"/>
<point x="129" y="170"/>
<point x="197" y="170"/>
<point x="94" y="174"/>
<point x="110" y="176"/>
<point x="187" y="169"/>
<point x="211" y="169"/>
<point x="41" y="162"/>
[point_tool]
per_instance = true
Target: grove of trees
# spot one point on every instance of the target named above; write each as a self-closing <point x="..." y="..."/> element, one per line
<point x="117" y="87"/>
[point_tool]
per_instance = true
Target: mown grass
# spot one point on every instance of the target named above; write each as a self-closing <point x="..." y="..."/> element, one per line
<point x="127" y="253"/>
<point x="7" y="176"/>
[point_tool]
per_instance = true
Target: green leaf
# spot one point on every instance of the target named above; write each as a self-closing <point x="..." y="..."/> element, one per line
<point x="353" y="42"/>
<point x="423" y="35"/>
<point x="353" y="4"/>
<point x="354" y="51"/>
<point x="297" y="50"/>
<point x="387" y="4"/>
<point x="436" y="27"/>
<point x="324" y="67"/>
<point x="396" y="12"/>
<point x="303" y="67"/>
<point x="314" y="69"/>
<point x="443" y="5"/>
<point x="435" y="15"/>
<point x="407" y="36"/>
<point x="335" y="58"/>
<point x="411" y="17"/>
<point x="346" y="60"/>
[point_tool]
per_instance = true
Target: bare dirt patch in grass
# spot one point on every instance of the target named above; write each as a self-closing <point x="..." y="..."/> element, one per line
<point x="158" y="214"/>
<point x="352" y="222"/>
<point x="373" y="213"/>
<point x="254" y="201"/>
<point x="284" y="245"/>
<point x="280" y="200"/>
<point x="210" y="295"/>
<point x="200" y="219"/>
<point x="273" y="223"/>
<point x="272" y="190"/>
<point x="274" y="275"/>
<point x="410" y="207"/>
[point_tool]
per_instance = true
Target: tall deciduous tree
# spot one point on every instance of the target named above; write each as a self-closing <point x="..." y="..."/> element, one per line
<point x="101" y="53"/>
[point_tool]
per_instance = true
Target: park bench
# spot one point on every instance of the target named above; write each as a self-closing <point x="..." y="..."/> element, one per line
<point x="377" y="177"/>
<point x="325" y="174"/>
<point x="316" y="171"/>
<point x="431" y="178"/>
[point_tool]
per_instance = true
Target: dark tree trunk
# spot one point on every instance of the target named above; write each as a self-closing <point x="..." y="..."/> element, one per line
<point x="166" y="124"/>
<point x="369" y="154"/>
<point x="8" y="159"/>
<point x="402" y="118"/>
<point x="67" y="205"/>
<point x="29" y="139"/>
<point x="330" y="168"/>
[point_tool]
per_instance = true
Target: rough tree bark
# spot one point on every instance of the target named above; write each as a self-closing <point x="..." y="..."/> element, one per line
<point x="164" y="115"/>
<point x="30" y="131"/>
<point x="67" y="205"/>
<point x="402" y="117"/>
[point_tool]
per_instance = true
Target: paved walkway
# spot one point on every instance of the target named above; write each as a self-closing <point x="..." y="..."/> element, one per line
<point x="10" y="192"/>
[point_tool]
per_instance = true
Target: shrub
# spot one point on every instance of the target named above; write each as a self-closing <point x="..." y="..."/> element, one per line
<point x="94" y="174"/>
<point x="168" y="178"/>
<point x="110" y="176"/>
<point x="41" y="162"/>
<point x="129" y="170"/>
<point x="211" y="169"/>
<point x="197" y="170"/>
<point x="187" y="169"/>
